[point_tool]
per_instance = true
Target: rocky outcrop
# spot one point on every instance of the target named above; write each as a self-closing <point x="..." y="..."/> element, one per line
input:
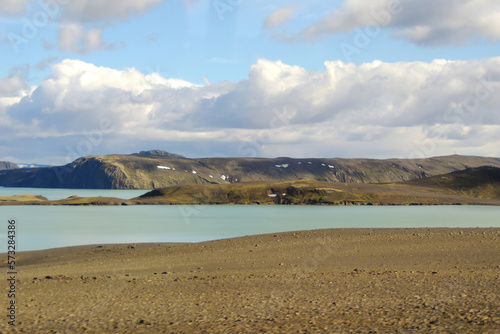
<point x="161" y="153"/>
<point x="7" y="165"/>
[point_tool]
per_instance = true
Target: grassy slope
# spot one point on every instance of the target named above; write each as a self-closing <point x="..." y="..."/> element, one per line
<point x="21" y="199"/>
<point x="482" y="182"/>
<point x="307" y="192"/>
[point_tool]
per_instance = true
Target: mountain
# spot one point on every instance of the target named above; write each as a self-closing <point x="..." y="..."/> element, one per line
<point x="161" y="153"/>
<point x="139" y="171"/>
<point x="481" y="182"/>
<point x="7" y="165"/>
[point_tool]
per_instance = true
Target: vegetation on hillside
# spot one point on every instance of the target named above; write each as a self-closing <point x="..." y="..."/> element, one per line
<point x="481" y="182"/>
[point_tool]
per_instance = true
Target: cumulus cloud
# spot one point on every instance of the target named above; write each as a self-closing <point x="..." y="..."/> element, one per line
<point x="12" y="89"/>
<point x="423" y="22"/>
<point x="279" y="17"/>
<point x="13" y="86"/>
<point x="373" y="109"/>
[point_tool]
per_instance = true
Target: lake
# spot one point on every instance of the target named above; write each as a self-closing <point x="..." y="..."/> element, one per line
<point x="42" y="227"/>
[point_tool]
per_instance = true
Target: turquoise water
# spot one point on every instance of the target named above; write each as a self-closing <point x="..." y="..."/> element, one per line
<point x="42" y="227"/>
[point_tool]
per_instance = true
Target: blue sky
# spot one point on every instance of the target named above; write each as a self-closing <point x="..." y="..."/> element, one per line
<point x="353" y="78"/>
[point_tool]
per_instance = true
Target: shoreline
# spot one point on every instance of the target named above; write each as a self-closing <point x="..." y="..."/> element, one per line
<point x="303" y="192"/>
<point x="70" y="249"/>
<point x="112" y="201"/>
<point x="329" y="280"/>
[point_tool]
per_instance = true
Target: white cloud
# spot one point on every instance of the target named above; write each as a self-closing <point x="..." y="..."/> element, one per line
<point x="73" y="16"/>
<point x="13" y="86"/>
<point x="46" y="62"/>
<point x="12" y="89"/>
<point x="279" y="17"/>
<point x="84" y="10"/>
<point x="73" y="37"/>
<point x="374" y="109"/>
<point x="97" y="10"/>
<point x="423" y="22"/>
<point x="13" y="7"/>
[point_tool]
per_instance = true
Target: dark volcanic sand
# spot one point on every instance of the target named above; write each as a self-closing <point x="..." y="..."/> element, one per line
<point x="324" y="281"/>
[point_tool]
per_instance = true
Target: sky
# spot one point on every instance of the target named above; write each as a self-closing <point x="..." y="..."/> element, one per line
<point x="249" y="78"/>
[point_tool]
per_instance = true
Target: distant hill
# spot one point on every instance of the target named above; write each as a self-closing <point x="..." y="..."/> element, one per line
<point x="161" y="153"/>
<point x="307" y="192"/>
<point x="7" y="165"/>
<point x="481" y="182"/>
<point x="32" y="166"/>
<point x="139" y="171"/>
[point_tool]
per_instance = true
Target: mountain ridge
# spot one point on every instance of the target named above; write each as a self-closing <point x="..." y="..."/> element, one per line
<point x="137" y="171"/>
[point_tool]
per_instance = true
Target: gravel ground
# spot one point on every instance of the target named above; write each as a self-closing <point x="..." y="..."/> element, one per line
<point x="323" y="281"/>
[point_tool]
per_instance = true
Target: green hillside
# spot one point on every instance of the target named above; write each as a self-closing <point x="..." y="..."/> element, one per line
<point x="481" y="182"/>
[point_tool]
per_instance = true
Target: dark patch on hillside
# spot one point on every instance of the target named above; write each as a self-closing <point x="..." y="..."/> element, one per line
<point x="483" y="182"/>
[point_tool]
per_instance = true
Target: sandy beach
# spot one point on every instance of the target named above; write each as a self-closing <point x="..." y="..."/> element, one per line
<point x="322" y="281"/>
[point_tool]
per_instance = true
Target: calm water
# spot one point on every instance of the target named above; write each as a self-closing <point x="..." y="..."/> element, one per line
<point x="41" y="227"/>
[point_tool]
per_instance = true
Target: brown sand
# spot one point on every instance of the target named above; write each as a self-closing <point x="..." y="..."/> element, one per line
<point x="324" y="281"/>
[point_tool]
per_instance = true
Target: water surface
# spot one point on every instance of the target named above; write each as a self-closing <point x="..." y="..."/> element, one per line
<point x="42" y="227"/>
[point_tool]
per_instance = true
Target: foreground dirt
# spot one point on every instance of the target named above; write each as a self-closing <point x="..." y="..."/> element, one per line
<point x="324" y="281"/>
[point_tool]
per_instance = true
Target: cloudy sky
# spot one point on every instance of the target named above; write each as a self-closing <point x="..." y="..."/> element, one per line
<point x="338" y="78"/>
